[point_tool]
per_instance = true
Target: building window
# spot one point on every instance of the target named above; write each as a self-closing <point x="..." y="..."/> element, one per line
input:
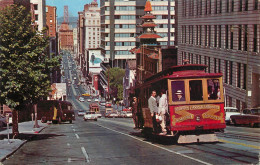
<point x="215" y="35"/>
<point x="256" y="5"/>
<point x="255" y="39"/>
<point x="206" y="7"/>
<point x="238" y="104"/>
<point x="197" y="12"/>
<point x="226" y="36"/>
<point x="226" y="71"/>
<point x="185" y="34"/>
<point x="245" y="76"/>
<point x="220" y="6"/>
<point x="189" y="33"/>
<point x="200" y="59"/>
<point x="240" y="5"/>
<point x="238" y="75"/>
<point x="209" y="35"/>
<point x="232" y="5"/>
<point x="197" y="35"/>
<point x="36" y="17"/>
<point x="227" y="6"/>
<point x="240" y="37"/>
<point x="209" y="6"/>
<point x="192" y="35"/>
<point x="206" y="34"/>
<point x="246" y="39"/>
<point x="231" y="39"/>
<point x="215" y="65"/>
<point x="219" y="66"/>
<point x="230" y="72"/>
<point x="230" y="101"/>
<point x="246" y="5"/>
<point x="219" y="36"/>
<point x="216" y="6"/>
<point x="200" y="7"/>
<point x="209" y="64"/>
<point x="200" y="34"/>
<point x="35" y="6"/>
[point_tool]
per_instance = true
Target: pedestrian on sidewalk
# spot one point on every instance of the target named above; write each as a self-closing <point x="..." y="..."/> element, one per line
<point x="134" y="112"/>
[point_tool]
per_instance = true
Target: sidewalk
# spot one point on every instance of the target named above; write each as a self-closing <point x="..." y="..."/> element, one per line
<point x="25" y="128"/>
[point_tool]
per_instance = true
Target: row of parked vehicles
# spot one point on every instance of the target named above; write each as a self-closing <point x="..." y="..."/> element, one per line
<point x="248" y="116"/>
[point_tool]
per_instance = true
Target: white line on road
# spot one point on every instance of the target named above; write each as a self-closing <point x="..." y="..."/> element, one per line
<point x="74" y="130"/>
<point x="177" y="153"/>
<point x="77" y="136"/>
<point x="69" y="160"/>
<point x="68" y="144"/>
<point x="85" y="154"/>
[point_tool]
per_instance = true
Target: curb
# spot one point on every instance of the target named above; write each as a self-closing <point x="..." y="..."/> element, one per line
<point x="10" y="154"/>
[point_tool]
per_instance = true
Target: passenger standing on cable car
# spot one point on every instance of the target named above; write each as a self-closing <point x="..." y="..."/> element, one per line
<point x="152" y="104"/>
<point x="163" y="109"/>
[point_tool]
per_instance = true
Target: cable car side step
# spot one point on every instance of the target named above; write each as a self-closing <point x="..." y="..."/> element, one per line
<point x="197" y="138"/>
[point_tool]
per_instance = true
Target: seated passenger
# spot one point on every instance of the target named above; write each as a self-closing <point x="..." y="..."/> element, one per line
<point x="179" y="96"/>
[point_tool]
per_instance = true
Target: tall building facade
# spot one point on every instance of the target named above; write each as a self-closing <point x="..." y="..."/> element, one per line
<point x="165" y="12"/>
<point x="39" y="13"/>
<point x="224" y="34"/>
<point x="51" y="20"/>
<point x="119" y="29"/>
<point x="92" y="25"/>
<point x="120" y="22"/>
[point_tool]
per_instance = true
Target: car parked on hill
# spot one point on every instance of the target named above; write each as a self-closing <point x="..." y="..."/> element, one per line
<point x="249" y="116"/>
<point x="229" y="111"/>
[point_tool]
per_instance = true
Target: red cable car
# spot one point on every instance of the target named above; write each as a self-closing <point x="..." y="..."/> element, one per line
<point x="195" y="103"/>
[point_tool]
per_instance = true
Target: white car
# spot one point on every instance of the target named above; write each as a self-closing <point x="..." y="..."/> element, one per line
<point x="90" y="116"/>
<point x="81" y="113"/>
<point x="96" y="100"/>
<point x="129" y="114"/>
<point x="81" y="99"/>
<point x="98" y="114"/>
<point x="89" y="100"/>
<point x="229" y="111"/>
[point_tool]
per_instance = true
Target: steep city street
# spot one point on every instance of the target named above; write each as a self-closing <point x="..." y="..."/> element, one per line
<point x="114" y="141"/>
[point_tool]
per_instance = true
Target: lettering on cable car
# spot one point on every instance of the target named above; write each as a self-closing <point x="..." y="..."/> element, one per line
<point x="184" y="115"/>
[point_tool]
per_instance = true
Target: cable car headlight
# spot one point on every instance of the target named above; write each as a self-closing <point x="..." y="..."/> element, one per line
<point x="198" y="118"/>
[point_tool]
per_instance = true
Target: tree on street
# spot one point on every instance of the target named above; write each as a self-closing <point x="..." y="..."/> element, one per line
<point x="24" y="68"/>
<point x="116" y="82"/>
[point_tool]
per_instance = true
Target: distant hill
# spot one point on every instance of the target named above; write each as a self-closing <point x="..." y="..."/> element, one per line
<point x="72" y="21"/>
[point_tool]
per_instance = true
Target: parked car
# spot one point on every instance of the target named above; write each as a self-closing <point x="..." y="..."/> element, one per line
<point x="230" y="111"/>
<point x="81" y="99"/>
<point x="122" y="114"/>
<point x="98" y="114"/>
<point x="81" y="113"/>
<point x="86" y="94"/>
<point x="90" y="116"/>
<point x="129" y="114"/>
<point x="89" y="100"/>
<point x="113" y="115"/>
<point x="249" y="116"/>
<point x="96" y="100"/>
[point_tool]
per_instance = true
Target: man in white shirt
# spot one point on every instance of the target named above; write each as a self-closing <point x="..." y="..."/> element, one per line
<point x="163" y="109"/>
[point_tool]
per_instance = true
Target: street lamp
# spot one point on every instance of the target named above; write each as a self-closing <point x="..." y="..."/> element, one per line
<point x="248" y="48"/>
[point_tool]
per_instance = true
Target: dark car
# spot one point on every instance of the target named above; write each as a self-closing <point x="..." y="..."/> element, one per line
<point x="249" y="116"/>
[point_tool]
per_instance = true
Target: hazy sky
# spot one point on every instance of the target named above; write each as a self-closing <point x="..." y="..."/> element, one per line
<point x="74" y="6"/>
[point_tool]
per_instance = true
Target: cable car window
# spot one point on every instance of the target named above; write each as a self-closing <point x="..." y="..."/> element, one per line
<point x="178" y="90"/>
<point x="213" y="89"/>
<point x="196" y="93"/>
